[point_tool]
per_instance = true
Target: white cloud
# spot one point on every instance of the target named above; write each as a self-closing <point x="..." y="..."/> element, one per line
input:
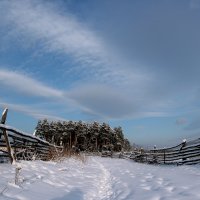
<point x="23" y="83"/>
<point x="62" y="33"/>
<point x="112" y="103"/>
<point x="102" y="100"/>
<point x="31" y="111"/>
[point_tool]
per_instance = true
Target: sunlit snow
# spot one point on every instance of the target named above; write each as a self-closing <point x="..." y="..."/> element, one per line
<point x="98" y="179"/>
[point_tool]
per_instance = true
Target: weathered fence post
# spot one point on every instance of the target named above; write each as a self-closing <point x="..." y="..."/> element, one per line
<point x="183" y="145"/>
<point x="155" y="155"/>
<point x="3" y="120"/>
<point x="164" y="156"/>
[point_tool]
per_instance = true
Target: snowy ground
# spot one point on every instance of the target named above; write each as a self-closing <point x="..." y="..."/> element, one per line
<point x="99" y="179"/>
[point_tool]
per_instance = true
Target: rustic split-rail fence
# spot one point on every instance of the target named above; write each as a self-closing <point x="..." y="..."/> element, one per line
<point x="17" y="145"/>
<point x="184" y="153"/>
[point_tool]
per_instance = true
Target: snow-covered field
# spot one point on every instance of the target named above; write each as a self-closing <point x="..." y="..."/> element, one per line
<point x="99" y="179"/>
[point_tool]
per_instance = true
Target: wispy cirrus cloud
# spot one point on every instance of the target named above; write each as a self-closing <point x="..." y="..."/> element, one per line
<point x="98" y="100"/>
<point x="22" y="83"/>
<point x="31" y="111"/>
<point x="111" y="103"/>
<point x="103" y="100"/>
<point x="62" y="33"/>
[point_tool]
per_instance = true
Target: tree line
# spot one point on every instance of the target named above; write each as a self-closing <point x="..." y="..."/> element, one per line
<point x="90" y="137"/>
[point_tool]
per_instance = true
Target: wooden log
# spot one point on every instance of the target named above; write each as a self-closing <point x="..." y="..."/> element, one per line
<point x="3" y="120"/>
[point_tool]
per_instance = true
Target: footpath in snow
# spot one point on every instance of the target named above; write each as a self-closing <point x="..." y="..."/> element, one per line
<point x="99" y="179"/>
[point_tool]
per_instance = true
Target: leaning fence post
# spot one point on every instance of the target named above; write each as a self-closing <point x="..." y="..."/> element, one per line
<point x="183" y="145"/>
<point x="155" y="155"/>
<point x="164" y="156"/>
<point x="3" y="120"/>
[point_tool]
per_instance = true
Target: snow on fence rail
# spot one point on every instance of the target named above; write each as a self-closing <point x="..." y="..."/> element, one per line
<point x="15" y="144"/>
<point x="184" y="153"/>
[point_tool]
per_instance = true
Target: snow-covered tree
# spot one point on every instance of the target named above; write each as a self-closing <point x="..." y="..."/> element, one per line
<point x="85" y="136"/>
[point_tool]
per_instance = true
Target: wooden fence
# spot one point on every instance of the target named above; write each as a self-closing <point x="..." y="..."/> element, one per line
<point x="184" y="153"/>
<point x="15" y="144"/>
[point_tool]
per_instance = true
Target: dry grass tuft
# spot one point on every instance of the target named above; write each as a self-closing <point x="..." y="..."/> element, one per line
<point x="59" y="156"/>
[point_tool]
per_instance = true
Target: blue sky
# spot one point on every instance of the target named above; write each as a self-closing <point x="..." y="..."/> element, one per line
<point x="130" y="63"/>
